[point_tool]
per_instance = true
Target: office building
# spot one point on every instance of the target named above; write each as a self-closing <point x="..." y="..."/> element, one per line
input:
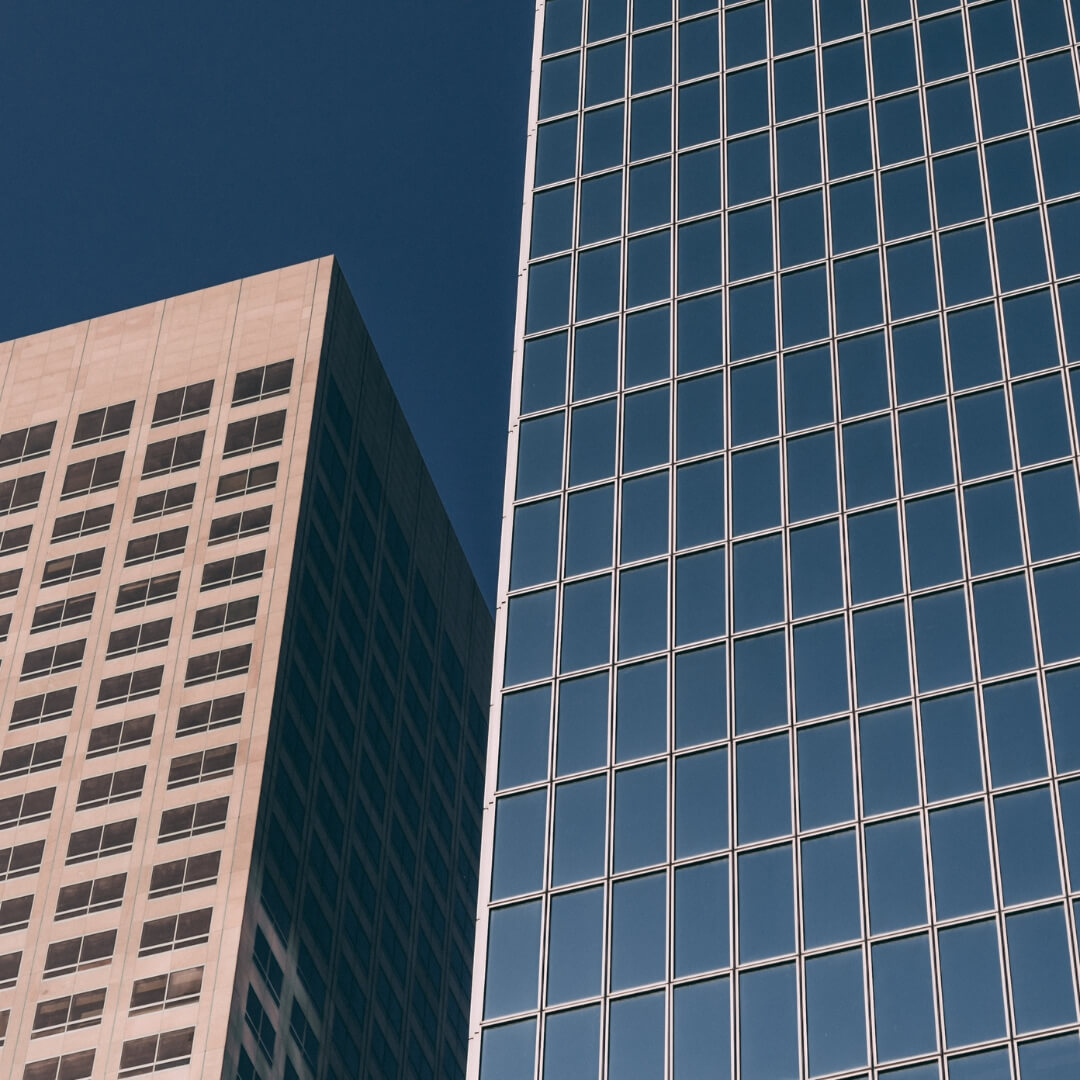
<point x="243" y="664"/>
<point x="785" y="776"/>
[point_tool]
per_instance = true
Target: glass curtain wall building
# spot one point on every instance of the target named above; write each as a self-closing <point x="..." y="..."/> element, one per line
<point x="784" y="778"/>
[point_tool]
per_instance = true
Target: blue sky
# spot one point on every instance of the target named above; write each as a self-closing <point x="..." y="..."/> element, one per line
<point x="151" y="150"/>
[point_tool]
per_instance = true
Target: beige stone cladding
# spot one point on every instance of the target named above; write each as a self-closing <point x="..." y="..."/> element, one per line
<point x="151" y="466"/>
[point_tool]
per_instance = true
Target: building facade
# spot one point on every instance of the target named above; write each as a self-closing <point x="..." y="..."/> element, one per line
<point x="242" y="665"/>
<point x="784" y="775"/>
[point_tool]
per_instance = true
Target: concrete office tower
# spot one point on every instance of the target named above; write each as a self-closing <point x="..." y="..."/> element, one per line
<point x="785" y="778"/>
<point x="242" y="665"/>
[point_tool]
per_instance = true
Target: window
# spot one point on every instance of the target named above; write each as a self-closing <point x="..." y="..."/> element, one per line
<point x="9" y="969"/>
<point x="254" y="433"/>
<point x="182" y="875"/>
<point x="20" y="493"/>
<point x="95" y="474"/>
<point x="15" y="913"/>
<point x="5" y="626"/>
<point x="74" y="609"/>
<point x="5" y="1015"/>
<point x="53" y="658"/>
<point x="222" y="617"/>
<point x="207" y="715"/>
<point x="26" y="443"/>
<point x="41" y="708"/>
<point x="9" y="582"/>
<point x="245" y="481"/>
<point x="134" y="639"/>
<point x="209" y="764"/>
<point x="218" y="665"/>
<point x="100" y="894"/>
<point x="172" y="455"/>
<point x="68" y="1067"/>
<point x="162" y="503"/>
<point x="262" y="382"/>
<point x="78" y="954"/>
<point x="304" y="1034"/>
<point x="193" y="820"/>
<point x="183" y="403"/>
<point x="78" y="564"/>
<point x="99" y="841"/>
<point x="83" y="523"/>
<point x="178" y="931"/>
<point x="123" y="735"/>
<point x="166" y="991"/>
<point x="152" y="590"/>
<point x="97" y="425"/>
<point x="33" y="757"/>
<point x="68" y="1013"/>
<point x="29" y="806"/>
<point x="267" y="964"/>
<point x="216" y="575"/>
<point x="154" y="1052"/>
<point x="15" y="540"/>
<point x="21" y="860"/>
<point x="233" y="526"/>
<point x="111" y="787"/>
<point x="156" y="546"/>
<point x="129" y="687"/>
<point x="260" y="1024"/>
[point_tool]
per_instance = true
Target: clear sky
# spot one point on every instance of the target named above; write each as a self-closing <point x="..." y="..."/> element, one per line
<point x="149" y="150"/>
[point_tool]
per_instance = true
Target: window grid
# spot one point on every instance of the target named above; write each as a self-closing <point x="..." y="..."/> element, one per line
<point x="1030" y="386"/>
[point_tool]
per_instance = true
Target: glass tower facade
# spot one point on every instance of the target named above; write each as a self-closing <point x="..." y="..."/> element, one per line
<point x="784" y="776"/>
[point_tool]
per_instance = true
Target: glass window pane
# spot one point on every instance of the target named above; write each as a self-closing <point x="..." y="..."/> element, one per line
<point x="580" y="830"/>
<point x="699" y="503"/>
<point x="1057" y="591"/>
<point x="962" y="883"/>
<point x="755" y="483"/>
<point x="592" y="442"/>
<point x="638" y="925"/>
<point x="832" y="908"/>
<point x="766" y="904"/>
<point x="583" y="724"/>
<point x="702" y="1036"/>
<point x="817" y="583"/>
<point x="881" y="655"/>
<point x="835" y="1009"/>
<point x="520" y="828"/>
<point x="572" y="1044"/>
<point x="971" y="984"/>
<point x="821" y="674"/>
<point x="868" y="462"/>
<point x="700" y="696"/>
<point x="760" y="682"/>
<point x="643" y="610"/>
<point x="640" y="817"/>
<point x="701" y="917"/>
<point x="1027" y="849"/>
<point x="641" y="711"/>
<point x="887" y="748"/>
<point x="535" y="553"/>
<point x="636" y="1037"/>
<point x="1058" y="1056"/>
<point x="1063" y="691"/>
<point x="826" y="796"/>
<point x="644" y="530"/>
<point x="1051" y="512"/>
<point x="589" y="530"/>
<point x="993" y="527"/>
<point x="699" y="596"/>
<point x="808" y="390"/>
<point x="1014" y="731"/>
<point x="513" y="960"/>
<point x="894" y="875"/>
<point x="700" y="427"/>
<point x="811" y="462"/>
<point x="758" y="585"/>
<point x="509" y="1050"/>
<point x="950" y="740"/>
<point x="701" y="803"/>
<point x="530" y="635"/>
<point x="763" y="789"/>
<point x="1003" y="626"/>
<point x="575" y="946"/>
<point x="933" y="541"/>
<point x="1039" y="969"/>
<point x="596" y="359"/>
<point x="523" y="738"/>
<point x="586" y="624"/>
<point x="754" y="413"/>
<point x="543" y="374"/>
<point x="942" y="652"/>
<point x="768" y="1023"/>
<point x="903" y="998"/>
